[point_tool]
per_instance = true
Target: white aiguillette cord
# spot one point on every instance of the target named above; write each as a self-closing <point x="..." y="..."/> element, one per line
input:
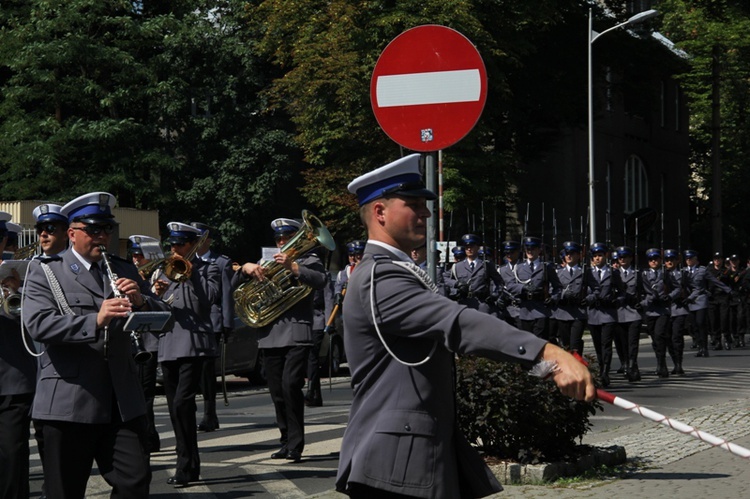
<point x="424" y="279"/>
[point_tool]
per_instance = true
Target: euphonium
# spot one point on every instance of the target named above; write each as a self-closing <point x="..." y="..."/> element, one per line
<point x="10" y="301"/>
<point x="258" y="303"/>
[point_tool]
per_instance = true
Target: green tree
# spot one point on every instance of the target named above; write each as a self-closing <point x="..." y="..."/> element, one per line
<point x="74" y="112"/>
<point x="714" y="35"/>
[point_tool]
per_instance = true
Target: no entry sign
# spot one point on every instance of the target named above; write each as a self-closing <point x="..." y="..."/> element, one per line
<point x="428" y="88"/>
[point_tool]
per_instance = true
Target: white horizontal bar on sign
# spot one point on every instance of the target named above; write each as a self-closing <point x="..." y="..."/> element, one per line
<point x="439" y="87"/>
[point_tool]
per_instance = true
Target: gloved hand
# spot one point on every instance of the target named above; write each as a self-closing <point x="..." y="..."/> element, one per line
<point x="463" y="288"/>
<point x="338" y="299"/>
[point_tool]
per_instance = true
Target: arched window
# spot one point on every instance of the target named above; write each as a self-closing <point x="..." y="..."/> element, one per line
<point x="636" y="185"/>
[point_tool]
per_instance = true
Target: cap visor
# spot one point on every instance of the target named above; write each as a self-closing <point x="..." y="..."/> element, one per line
<point x="416" y="193"/>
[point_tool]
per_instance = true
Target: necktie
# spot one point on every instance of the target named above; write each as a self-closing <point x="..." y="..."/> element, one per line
<point x="96" y="272"/>
<point x="531" y="267"/>
<point x="571" y="271"/>
<point x="471" y="266"/>
<point x="600" y="274"/>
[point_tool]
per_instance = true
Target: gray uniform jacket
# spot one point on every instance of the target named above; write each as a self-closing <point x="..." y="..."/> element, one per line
<point x="222" y="311"/>
<point x="192" y="302"/>
<point x="402" y="435"/>
<point x="629" y="291"/>
<point x="76" y="382"/>
<point x="656" y="293"/>
<point x="480" y="279"/>
<point x="569" y="306"/>
<point x="293" y="327"/>
<point x="601" y="295"/>
<point x="323" y="304"/>
<point x="510" y="299"/>
<point x="534" y="287"/>
<point x="678" y="307"/>
<point x="696" y="282"/>
<point x="17" y="366"/>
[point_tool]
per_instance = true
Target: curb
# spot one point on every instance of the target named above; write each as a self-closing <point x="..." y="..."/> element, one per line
<point x="508" y="473"/>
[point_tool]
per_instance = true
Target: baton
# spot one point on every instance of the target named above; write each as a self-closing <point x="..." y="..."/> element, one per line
<point x="223" y="341"/>
<point x="674" y="424"/>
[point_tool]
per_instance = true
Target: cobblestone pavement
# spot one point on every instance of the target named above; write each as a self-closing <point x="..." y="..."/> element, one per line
<point x="663" y="463"/>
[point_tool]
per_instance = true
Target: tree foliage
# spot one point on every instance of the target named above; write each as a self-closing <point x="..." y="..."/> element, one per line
<point x="709" y="31"/>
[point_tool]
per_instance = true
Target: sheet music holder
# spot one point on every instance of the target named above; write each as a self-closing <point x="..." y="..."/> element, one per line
<point x="19" y="265"/>
<point x="149" y="322"/>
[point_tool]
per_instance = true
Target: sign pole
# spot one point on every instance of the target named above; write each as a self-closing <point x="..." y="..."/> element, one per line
<point x="432" y="224"/>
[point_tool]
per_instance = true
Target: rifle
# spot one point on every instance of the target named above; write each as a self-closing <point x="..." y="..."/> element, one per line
<point x="554" y="238"/>
<point x="584" y="258"/>
<point x="663" y="270"/>
<point x="545" y="278"/>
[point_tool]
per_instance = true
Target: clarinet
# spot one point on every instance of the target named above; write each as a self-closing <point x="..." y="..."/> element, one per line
<point x="140" y="354"/>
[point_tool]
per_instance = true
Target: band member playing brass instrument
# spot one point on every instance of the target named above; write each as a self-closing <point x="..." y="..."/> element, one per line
<point x="286" y="340"/>
<point x="183" y="349"/>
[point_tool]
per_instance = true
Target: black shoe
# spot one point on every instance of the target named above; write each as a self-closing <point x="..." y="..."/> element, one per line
<point x="621" y="370"/>
<point x="678" y="371"/>
<point x="181" y="479"/>
<point x="208" y="426"/>
<point x="281" y="453"/>
<point x="634" y="374"/>
<point x="294" y="455"/>
<point x="662" y="372"/>
<point x="313" y="402"/>
<point x="605" y="380"/>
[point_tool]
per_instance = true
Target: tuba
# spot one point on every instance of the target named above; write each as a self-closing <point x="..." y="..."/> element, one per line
<point x="26" y="252"/>
<point x="259" y="303"/>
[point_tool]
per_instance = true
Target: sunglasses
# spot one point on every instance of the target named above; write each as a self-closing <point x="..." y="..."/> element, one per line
<point x="95" y="230"/>
<point x="49" y="228"/>
<point x="178" y="244"/>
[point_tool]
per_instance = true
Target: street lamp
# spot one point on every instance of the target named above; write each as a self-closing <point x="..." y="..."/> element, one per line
<point x="593" y="36"/>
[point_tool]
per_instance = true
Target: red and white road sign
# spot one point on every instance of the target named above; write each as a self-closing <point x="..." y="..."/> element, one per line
<point x="428" y="88"/>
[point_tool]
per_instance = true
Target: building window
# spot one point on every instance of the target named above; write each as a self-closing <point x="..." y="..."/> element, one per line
<point x="636" y="185"/>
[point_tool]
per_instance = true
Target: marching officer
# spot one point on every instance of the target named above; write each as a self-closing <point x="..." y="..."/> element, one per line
<point x="602" y="283"/>
<point x="697" y="280"/>
<point x="733" y="276"/>
<point x="678" y="311"/>
<point x="537" y="284"/>
<point x="354" y="251"/>
<point x="569" y="314"/>
<point x="509" y="300"/>
<point x="656" y="304"/>
<point x="628" y="311"/>
<point x="222" y="319"/>
<point x="472" y="277"/>
<point x="718" y="303"/>
<point x="182" y="350"/>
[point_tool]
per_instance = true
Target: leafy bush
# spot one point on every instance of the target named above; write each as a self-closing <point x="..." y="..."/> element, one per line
<point x="516" y="416"/>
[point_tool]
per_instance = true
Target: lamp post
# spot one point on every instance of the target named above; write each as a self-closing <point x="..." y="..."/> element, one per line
<point x="593" y="36"/>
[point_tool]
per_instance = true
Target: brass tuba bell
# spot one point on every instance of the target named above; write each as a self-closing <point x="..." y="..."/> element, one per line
<point x="259" y="303"/>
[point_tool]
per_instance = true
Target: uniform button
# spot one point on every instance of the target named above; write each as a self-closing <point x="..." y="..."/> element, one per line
<point x="407" y="427"/>
<point x="85" y="333"/>
<point x="521" y="350"/>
